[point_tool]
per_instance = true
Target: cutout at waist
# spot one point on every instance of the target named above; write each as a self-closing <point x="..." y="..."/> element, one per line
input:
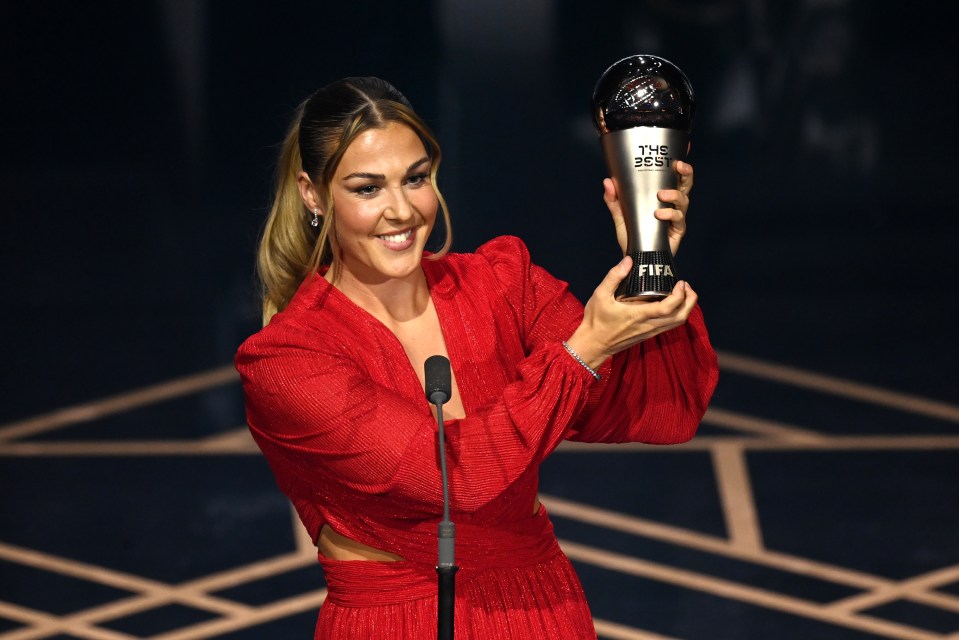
<point x="334" y="546"/>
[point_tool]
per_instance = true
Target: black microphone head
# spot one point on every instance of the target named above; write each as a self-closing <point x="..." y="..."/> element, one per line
<point x="439" y="380"/>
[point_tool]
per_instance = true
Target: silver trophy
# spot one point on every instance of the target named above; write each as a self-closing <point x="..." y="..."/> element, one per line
<point x="643" y="109"/>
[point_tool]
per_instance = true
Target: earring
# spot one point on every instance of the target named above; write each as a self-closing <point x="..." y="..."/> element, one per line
<point x="315" y="222"/>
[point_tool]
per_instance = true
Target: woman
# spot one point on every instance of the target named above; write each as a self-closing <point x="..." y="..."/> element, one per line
<point x="334" y="382"/>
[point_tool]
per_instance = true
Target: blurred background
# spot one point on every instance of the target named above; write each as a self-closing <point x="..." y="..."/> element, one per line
<point x="139" y="142"/>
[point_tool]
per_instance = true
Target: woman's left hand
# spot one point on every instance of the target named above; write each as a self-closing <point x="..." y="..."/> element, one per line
<point x="678" y="198"/>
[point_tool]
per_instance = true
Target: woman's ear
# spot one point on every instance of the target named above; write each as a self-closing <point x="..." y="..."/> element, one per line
<point x="308" y="192"/>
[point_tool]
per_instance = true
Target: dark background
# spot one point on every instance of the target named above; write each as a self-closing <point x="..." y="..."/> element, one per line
<point x="139" y="141"/>
<point x="138" y="147"/>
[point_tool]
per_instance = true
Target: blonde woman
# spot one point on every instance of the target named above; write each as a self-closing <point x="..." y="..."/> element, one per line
<point x="354" y="304"/>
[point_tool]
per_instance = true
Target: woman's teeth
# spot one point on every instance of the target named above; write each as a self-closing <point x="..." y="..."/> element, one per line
<point x="398" y="237"/>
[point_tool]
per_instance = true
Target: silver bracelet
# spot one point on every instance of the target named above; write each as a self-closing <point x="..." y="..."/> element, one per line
<point x="575" y="355"/>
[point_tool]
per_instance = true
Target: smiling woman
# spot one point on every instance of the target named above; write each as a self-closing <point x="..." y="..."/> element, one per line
<point x="334" y="383"/>
<point x="385" y="208"/>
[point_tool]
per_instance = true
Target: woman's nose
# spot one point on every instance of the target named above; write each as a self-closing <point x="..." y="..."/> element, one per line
<point x="400" y="208"/>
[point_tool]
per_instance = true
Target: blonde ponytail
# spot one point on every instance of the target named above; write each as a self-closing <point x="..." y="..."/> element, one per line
<point x="289" y="241"/>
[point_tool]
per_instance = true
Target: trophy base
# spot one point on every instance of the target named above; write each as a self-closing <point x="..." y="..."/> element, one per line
<point x="651" y="278"/>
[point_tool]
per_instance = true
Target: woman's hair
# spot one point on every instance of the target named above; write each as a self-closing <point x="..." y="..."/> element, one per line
<point x="324" y="126"/>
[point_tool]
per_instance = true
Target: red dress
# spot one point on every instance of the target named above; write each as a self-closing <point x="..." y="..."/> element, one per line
<point x="340" y="415"/>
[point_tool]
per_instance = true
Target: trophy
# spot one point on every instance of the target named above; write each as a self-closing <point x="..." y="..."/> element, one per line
<point x="642" y="108"/>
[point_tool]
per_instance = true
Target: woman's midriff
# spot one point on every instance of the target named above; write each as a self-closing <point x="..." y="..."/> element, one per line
<point x="337" y="547"/>
<point x="334" y="546"/>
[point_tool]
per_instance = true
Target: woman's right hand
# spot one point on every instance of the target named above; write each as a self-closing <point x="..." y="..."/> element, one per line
<point x="610" y="326"/>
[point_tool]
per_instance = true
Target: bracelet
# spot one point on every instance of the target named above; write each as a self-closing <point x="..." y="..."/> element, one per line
<point x="575" y="355"/>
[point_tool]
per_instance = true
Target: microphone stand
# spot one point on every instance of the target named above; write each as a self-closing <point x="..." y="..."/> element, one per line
<point x="445" y="567"/>
<point x="438" y="387"/>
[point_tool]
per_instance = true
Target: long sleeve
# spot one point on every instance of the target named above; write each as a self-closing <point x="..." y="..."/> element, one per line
<point x="656" y="392"/>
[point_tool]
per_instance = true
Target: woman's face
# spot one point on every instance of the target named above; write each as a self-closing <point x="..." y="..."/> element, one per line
<point x="384" y="204"/>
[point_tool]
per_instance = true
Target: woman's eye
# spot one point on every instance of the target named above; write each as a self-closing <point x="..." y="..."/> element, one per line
<point x="418" y="179"/>
<point x="366" y="190"/>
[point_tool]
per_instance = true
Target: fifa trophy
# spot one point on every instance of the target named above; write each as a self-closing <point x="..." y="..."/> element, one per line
<point x="642" y="108"/>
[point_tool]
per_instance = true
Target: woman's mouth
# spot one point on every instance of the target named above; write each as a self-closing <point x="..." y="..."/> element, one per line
<point x="398" y="241"/>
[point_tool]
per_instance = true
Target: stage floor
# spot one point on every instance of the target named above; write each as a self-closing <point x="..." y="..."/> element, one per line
<point x="827" y="514"/>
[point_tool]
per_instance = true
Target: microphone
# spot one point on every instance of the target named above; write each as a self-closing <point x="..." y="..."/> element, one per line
<point x="439" y="388"/>
<point x="439" y="383"/>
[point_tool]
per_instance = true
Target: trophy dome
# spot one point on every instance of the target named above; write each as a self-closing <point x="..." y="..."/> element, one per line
<point x="642" y="91"/>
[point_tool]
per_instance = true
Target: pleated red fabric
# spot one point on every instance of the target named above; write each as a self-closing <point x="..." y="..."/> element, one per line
<point x="540" y="601"/>
<point x="340" y="415"/>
